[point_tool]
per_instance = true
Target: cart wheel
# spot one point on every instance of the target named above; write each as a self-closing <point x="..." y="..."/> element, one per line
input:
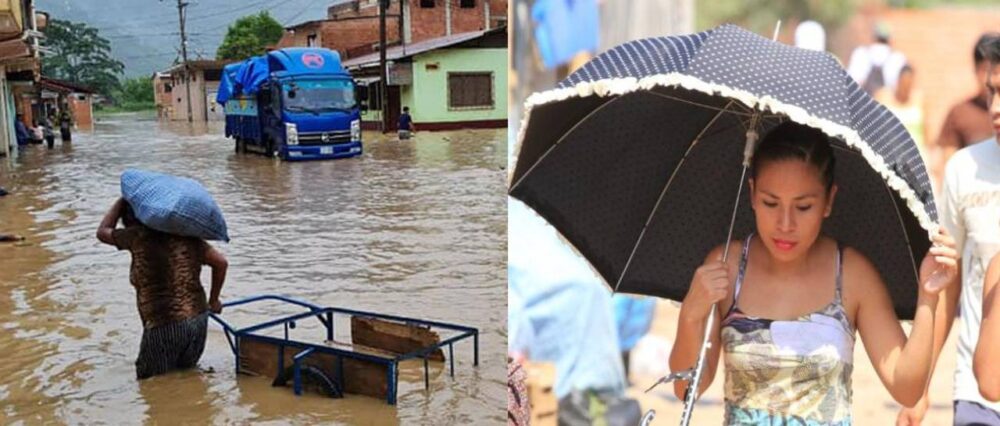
<point x="312" y="378"/>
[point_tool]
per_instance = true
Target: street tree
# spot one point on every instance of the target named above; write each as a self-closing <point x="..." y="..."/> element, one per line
<point x="80" y="55"/>
<point x="250" y="36"/>
<point x="136" y="91"/>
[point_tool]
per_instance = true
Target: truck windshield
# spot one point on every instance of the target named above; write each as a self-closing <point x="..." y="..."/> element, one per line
<point x="318" y="95"/>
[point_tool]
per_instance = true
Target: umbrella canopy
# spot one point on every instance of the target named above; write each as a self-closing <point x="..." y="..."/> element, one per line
<point x="636" y="158"/>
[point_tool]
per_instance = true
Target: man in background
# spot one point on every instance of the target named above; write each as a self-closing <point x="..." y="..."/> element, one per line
<point x="968" y="121"/>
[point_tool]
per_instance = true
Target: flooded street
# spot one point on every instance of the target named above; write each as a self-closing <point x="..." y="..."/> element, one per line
<point x="415" y="228"/>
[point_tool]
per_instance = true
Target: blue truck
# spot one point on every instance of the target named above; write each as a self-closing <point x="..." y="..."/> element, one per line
<point x="293" y="103"/>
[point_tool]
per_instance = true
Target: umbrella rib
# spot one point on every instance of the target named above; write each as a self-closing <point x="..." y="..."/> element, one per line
<point x="558" y="141"/>
<point x="913" y="263"/>
<point x="749" y="113"/>
<point x="663" y="192"/>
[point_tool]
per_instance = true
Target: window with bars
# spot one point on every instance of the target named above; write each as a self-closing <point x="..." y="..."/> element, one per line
<point x="470" y="90"/>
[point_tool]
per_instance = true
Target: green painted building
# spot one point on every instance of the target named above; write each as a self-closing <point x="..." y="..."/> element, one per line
<point x="458" y="81"/>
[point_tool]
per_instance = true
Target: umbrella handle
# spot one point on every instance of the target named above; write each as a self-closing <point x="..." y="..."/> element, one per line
<point x="692" y="389"/>
<point x="647" y="418"/>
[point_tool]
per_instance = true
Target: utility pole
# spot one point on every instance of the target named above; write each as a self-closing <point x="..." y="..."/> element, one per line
<point x="384" y="85"/>
<point x="184" y="56"/>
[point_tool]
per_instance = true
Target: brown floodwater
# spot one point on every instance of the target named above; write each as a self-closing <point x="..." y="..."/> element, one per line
<point x="415" y="228"/>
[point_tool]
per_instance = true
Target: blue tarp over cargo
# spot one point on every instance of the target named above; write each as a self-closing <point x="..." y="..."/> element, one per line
<point x="227" y="86"/>
<point x="242" y="78"/>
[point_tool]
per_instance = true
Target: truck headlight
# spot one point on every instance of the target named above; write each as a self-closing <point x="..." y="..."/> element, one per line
<point x="291" y="134"/>
<point x="355" y="130"/>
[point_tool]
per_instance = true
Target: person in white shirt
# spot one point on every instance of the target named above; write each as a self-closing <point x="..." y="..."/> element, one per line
<point x="970" y="209"/>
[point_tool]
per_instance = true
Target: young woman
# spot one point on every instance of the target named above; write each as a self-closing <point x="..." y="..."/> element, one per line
<point x="792" y="299"/>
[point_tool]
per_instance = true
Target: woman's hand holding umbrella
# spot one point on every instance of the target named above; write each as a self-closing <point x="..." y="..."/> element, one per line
<point x="940" y="266"/>
<point x="710" y="285"/>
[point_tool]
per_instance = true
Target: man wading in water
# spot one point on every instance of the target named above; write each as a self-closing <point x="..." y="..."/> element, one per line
<point x="166" y="274"/>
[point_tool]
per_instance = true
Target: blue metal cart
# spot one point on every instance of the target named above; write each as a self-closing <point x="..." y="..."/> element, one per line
<point x="296" y="354"/>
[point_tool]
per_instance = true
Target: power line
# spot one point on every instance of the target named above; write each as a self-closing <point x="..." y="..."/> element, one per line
<point x="274" y="3"/>
<point x="152" y="55"/>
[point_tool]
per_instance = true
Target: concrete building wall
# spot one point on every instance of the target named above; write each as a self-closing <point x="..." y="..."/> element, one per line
<point x="80" y="106"/>
<point x="202" y="108"/>
<point x="428" y="96"/>
<point x="163" y="97"/>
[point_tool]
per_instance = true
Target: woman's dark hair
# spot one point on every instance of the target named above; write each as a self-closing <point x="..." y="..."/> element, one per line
<point x="794" y="141"/>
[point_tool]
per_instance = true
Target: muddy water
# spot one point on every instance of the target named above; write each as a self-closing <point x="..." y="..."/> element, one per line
<point x="414" y="228"/>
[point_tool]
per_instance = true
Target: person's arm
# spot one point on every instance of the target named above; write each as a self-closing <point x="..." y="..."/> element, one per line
<point x="951" y="219"/>
<point x="105" y="231"/>
<point x="986" y="362"/>
<point x="710" y="285"/>
<point x="903" y="364"/>
<point x="217" y="261"/>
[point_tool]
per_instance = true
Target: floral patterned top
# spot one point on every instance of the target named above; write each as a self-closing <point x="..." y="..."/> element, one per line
<point x="795" y="372"/>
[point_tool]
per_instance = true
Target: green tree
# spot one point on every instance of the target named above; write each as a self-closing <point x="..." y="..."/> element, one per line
<point x="760" y="16"/>
<point x="249" y="36"/>
<point x="80" y="55"/>
<point x="136" y="90"/>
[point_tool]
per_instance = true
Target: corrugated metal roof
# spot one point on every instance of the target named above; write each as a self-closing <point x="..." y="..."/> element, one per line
<point x="405" y="51"/>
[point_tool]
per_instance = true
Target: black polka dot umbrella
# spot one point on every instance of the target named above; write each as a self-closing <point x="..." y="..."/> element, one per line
<point x="637" y="159"/>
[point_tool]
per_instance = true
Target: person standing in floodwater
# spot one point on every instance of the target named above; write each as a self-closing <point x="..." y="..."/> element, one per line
<point x="406" y="127"/>
<point x="65" y="123"/>
<point x="166" y="274"/>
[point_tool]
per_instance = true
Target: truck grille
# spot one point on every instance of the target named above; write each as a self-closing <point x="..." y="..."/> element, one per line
<point x="325" y="138"/>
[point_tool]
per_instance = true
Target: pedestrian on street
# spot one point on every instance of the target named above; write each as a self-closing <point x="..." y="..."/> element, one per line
<point x="970" y="209"/>
<point x="406" y="127"/>
<point x="48" y="133"/>
<point x="21" y="131"/>
<point x="829" y="293"/>
<point x="968" y="122"/>
<point x="65" y="123"/>
<point x="166" y="274"/>
<point x="876" y="65"/>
